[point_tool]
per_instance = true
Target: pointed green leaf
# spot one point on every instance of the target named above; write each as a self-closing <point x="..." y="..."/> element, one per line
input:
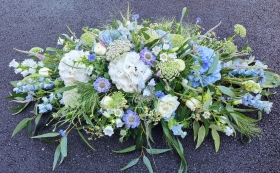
<point x="61" y="90"/>
<point x="87" y="119"/>
<point x="201" y="136"/>
<point x="181" y="169"/>
<point x="126" y="150"/>
<point x="139" y="140"/>
<point x="28" y="126"/>
<point x="226" y="91"/>
<point x="64" y="146"/>
<point x="20" y="126"/>
<point x="216" y="138"/>
<point x="185" y="12"/>
<point x="157" y="151"/>
<point x="149" y="131"/>
<point x="130" y="164"/>
<point x="148" y="164"/>
<point x="20" y="108"/>
<point x="56" y="156"/>
<point x="195" y="129"/>
<point x="146" y="36"/>
<point x="47" y="135"/>
<point x="88" y="144"/>
<point x="214" y="64"/>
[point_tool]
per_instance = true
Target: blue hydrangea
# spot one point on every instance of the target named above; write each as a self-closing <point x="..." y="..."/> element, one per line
<point x="109" y="35"/>
<point x="198" y="75"/>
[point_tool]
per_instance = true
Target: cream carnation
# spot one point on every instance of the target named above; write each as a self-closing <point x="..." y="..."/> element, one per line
<point x="167" y="105"/>
<point x="72" y="72"/>
<point x="127" y="72"/>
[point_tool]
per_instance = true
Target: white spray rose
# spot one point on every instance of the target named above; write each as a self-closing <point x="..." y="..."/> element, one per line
<point x="100" y="49"/>
<point x="167" y="105"/>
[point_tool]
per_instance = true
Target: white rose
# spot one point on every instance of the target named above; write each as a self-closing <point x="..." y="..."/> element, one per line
<point x="105" y="102"/>
<point x="119" y="123"/>
<point x="167" y="105"/>
<point x="100" y="49"/>
<point x="14" y="64"/>
<point x="45" y="72"/>
<point x="108" y="131"/>
<point x="181" y="64"/>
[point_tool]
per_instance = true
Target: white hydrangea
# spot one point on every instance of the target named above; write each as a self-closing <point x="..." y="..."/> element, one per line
<point x="71" y="71"/>
<point x="127" y="72"/>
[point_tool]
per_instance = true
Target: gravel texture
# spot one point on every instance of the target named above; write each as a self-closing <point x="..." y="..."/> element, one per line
<point x="25" y="24"/>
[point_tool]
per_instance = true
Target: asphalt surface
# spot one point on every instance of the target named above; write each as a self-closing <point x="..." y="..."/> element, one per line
<point x="25" y="24"/>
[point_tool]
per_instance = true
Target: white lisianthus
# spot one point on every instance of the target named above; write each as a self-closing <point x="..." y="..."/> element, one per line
<point x="18" y="70"/>
<point x="72" y="72"/>
<point x="228" y="131"/>
<point x="167" y="105"/>
<point x="127" y="72"/>
<point x="14" y="64"/>
<point x="45" y="72"/>
<point x="119" y="123"/>
<point x="190" y="105"/>
<point x="105" y="102"/>
<point x="24" y="73"/>
<point x="163" y="57"/>
<point x="100" y="49"/>
<point x="109" y="131"/>
<point x="181" y="64"/>
<point x="156" y="50"/>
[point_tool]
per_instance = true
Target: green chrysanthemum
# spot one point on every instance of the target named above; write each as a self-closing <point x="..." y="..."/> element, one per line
<point x="176" y="40"/>
<point x="230" y="47"/>
<point x="88" y="39"/>
<point x="117" y="48"/>
<point x="240" y="30"/>
<point x="169" y="69"/>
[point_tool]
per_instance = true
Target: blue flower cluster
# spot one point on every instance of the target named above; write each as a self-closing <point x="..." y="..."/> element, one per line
<point x="201" y="66"/>
<point x="159" y="94"/>
<point x="47" y="102"/>
<point x="177" y="130"/>
<point x="109" y="36"/>
<point x="255" y="101"/>
<point x="249" y="72"/>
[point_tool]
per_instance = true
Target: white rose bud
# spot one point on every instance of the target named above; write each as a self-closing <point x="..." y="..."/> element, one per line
<point x="196" y="103"/>
<point x="190" y="105"/>
<point x="45" y="72"/>
<point x="105" y="102"/>
<point x="100" y="49"/>
<point x="181" y="64"/>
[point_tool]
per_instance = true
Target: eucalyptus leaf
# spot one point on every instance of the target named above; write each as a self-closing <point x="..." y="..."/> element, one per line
<point x="47" y="135"/>
<point x="56" y="156"/>
<point x="64" y="146"/>
<point x="201" y="136"/>
<point x="195" y="129"/>
<point x="148" y="164"/>
<point x="216" y="138"/>
<point x="226" y="91"/>
<point x="126" y="150"/>
<point x="21" y="125"/>
<point x="130" y="164"/>
<point x="157" y="151"/>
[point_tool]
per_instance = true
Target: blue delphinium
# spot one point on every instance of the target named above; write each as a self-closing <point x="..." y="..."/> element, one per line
<point x="131" y="119"/>
<point x="254" y="101"/>
<point x="47" y="103"/>
<point x="198" y="20"/>
<point x="135" y="17"/>
<point x="102" y="85"/>
<point x="159" y="94"/>
<point x="200" y="68"/>
<point x="177" y="130"/>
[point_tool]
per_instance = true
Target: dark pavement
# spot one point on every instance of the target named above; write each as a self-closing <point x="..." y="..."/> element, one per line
<point x="25" y="24"/>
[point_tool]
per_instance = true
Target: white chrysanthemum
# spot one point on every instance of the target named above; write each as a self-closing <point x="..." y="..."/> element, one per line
<point x="71" y="98"/>
<point x="127" y="72"/>
<point x="72" y="72"/>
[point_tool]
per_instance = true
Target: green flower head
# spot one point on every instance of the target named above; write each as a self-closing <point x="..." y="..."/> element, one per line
<point x="88" y="39"/>
<point x="229" y="47"/>
<point x="240" y="30"/>
<point x="252" y="86"/>
<point x="169" y="69"/>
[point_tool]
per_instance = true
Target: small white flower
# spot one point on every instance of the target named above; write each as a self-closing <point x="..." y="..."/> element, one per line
<point x="146" y="92"/>
<point x="119" y="123"/>
<point x="24" y="73"/>
<point x="185" y="82"/>
<point x="156" y="50"/>
<point x="109" y="131"/>
<point x="206" y="115"/>
<point x="163" y="57"/>
<point x="183" y="135"/>
<point x="100" y="49"/>
<point x="14" y="64"/>
<point x="44" y="72"/>
<point x="118" y="112"/>
<point x="172" y="55"/>
<point x="152" y="83"/>
<point x="165" y="46"/>
<point x="60" y="41"/>
<point x="32" y="70"/>
<point x="18" y="70"/>
<point x="228" y="131"/>
<point x="190" y="105"/>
